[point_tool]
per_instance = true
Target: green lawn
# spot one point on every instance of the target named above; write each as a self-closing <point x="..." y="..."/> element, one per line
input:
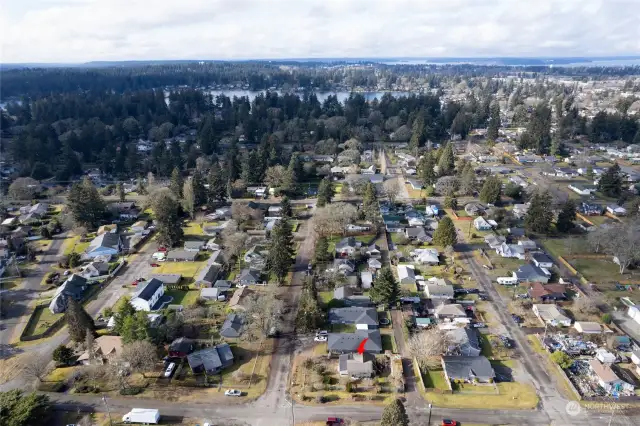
<point x="389" y="343"/>
<point x="186" y="269"/>
<point x="565" y="246"/>
<point x="43" y="318"/>
<point x="435" y="379"/>
<point x="181" y="297"/>
<point x="69" y="244"/>
<point x="601" y="270"/>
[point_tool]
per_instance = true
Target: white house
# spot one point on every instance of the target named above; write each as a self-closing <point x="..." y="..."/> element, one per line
<point x="104" y="244"/>
<point x="607" y="378"/>
<point x="481" y="224"/>
<point x="617" y="210"/>
<point x="634" y="313"/>
<point x="425" y="256"/>
<point x="511" y="250"/>
<point x="95" y="269"/>
<point x="437" y="291"/>
<point x="406" y="274"/>
<point x="604" y="356"/>
<point x="541" y="260"/>
<point x="582" y="190"/>
<point x="587" y="327"/>
<point x="551" y="314"/>
<point x="147" y="296"/>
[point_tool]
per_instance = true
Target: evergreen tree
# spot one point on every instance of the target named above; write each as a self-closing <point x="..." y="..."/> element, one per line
<point x="491" y="190"/>
<point x="206" y="136"/>
<point x="566" y="216"/>
<point x="417" y="132"/>
<point x="125" y="310"/>
<point x="120" y="190"/>
<point x="386" y="289"/>
<point x="285" y="207"/>
<point x="78" y="320"/>
<point x="177" y="182"/>
<point x="167" y="213"/>
<point x="86" y="205"/>
<point x="370" y="202"/>
<point x="188" y="198"/>
<point x="446" y="162"/>
<point x="445" y="235"/>
<point x="63" y="355"/>
<point x="135" y="327"/>
<point x="140" y="187"/>
<point x="494" y="122"/>
<point x="321" y="253"/>
<point x="610" y="183"/>
<point x="217" y="185"/>
<point x="294" y="174"/>
<point x="450" y="202"/>
<point x="325" y="192"/>
<point x="468" y="180"/>
<point x="426" y="169"/>
<point x="17" y="409"/>
<point x="281" y="251"/>
<point x="310" y="315"/>
<point x="199" y="190"/>
<point x="539" y="216"/>
<point x="394" y="414"/>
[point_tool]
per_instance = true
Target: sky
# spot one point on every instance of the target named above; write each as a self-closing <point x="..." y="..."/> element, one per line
<point x="63" y="31"/>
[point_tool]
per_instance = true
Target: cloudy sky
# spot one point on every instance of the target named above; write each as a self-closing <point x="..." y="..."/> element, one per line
<point x="86" y="30"/>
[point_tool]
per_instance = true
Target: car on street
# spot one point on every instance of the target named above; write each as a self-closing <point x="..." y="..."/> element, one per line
<point x="334" y="421"/>
<point x="322" y="333"/>
<point x="516" y="318"/>
<point x="162" y="248"/>
<point x="154" y="265"/>
<point x="169" y="370"/>
<point x="506" y="341"/>
<point x="449" y="422"/>
<point x="478" y="325"/>
<point x="232" y="392"/>
<point x="320" y="338"/>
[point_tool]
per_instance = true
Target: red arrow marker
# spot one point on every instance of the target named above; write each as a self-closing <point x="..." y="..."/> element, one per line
<point x="361" y="347"/>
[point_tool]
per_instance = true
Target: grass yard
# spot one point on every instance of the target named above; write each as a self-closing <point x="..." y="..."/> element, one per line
<point x="186" y="269"/>
<point x="565" y="246"/>
<point x="602" y="270"/>
<point x="181" y="297"/>
<point x="414" y="194"/>
<point x="43" y="318"/>
<point x="69" y="244"/>
<point x="389" y="343"/>
<point x="512" y="395"/>
<point x="434" y="379"/>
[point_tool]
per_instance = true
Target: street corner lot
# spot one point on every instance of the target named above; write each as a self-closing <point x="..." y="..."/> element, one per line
<point x="315" y="380"/>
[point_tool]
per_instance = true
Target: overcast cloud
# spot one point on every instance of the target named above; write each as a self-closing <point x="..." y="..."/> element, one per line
<point x="86" y="30"/>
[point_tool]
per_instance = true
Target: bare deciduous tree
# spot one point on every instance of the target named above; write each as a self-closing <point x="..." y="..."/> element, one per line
<point x="141" y="355"/>
<point x="450" y="253"/>
<point x="391" y="189"/>
<point x="623" y="243"/>
<point x="447" y="185"/>
<point x="587" y="305"/>
<point x="275" y="176"/>
<point x="426" y="346"/>
<point x="597" y="239"/>
<point x="36" y="367"/>
<point x="263" y="312"/>
<point x="333" y="218"/>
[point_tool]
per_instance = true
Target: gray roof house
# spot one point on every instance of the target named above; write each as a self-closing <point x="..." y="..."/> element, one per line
<point x="73" y="287"/>
<point x="223" y="284"/>
<point x="464" y="341"/>
<point x="344" y="343"/>
<point x="346" y="294"/>
<point x="211" y="293"/>
<point x="95" y="269"/>
<point x="531" y="273"/>
<point x="356" y="365"/>
<point x="249" y="276"/>
<point x="232" y="326"/>
<point x="417" y="234"/>
<point x="366" y="278"/>
<point x="209" y="273"/>
<point x="363" y="318"/>
<point x="194" y="245"/>
<point x="347" y="246"/>
<point x="211" y="360"/>
<point x="468" y="368"/>
<point x="182" y="256"/>
<point x="104" y="244"/>
<point x="454" y="310"/>
<point x="168" y="279"/>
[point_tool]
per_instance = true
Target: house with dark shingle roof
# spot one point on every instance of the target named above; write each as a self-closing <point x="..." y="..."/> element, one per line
<point x="182" y="256"/>
<point x="232" y="326"/>
<point x="468" y="369"/>
<point x="546" y="292"/>
<point x="249" y="276"/>
<point x="211" y="360"/>
<point x="362" y="318"/>
<point x="464" y="341"/>
<point x="181" y="347"/>
<point x="148" y="295"/>
<point x="343" y="343"/>
<point x="531" y="273"/>
<point x="209" y="273"/>
<point x="104" y="244"/>
<point x="73" y="287"/>
<point x="347" y="295"/>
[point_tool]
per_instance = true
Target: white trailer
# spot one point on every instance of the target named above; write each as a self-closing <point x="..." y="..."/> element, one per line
<point x="142" y="415"/>
<point x="513" y="280"/>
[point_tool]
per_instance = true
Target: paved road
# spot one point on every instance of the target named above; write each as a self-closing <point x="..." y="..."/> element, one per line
<point x="138" y="266"/>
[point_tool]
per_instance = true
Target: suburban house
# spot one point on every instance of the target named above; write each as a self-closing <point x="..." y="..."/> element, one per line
<point x="438" y="291"/>
<point x="393" y="223"/>
<point x="363" y="318"/>
<point x="415" y="184"/>
<point x="617" y="210"/>
<point x="516" y="232"/>
<point x="531" y="273"/>
<point x="95" y="269"/>
<point x="511" y="250"/>
<point x="148" y="295"/>
<point x="541" y="260"/>
<point x="347" y="246"/>
<point x="139" y="227"/>
<point x="481" y="224"/>
<point x="212" y="293"/>
<point x="415" y="221"/>
<point x="582" y="189"/>
<point x="256" y="256"/>
<point x="211" y="360"/>
<point x="345" y="343"/>
<point x="527" y="244"/>
<point x="608" y="379"/>
<point x="194" y="246"/>
<point x="167" y="279"/>
<point x="426" y="256"/>
<point x="605" y="357"/>
<point x="373" y="251"/>
<point x="209" y="273"/>
<point x="417" y="234"/>
<point x="590" y="209"/>
<point x="348" y="296"/>
<point x="356" y="228"/>
<point x="474" y="208"/>
<point x="452" y="311"/>
<point x="181" y="347"/>
<point x="520" y="210"/>
<point x="104" y="244"/>
<point x="125" y="210"/>
<point x="551" y="314"/>
<point x="359" y="366"/>
<point x="249" y="276"/>
<point x="373" y="263"/>
<point x="37" y="210"/>
<point x="232" y="326"/>
<point x="73" y="287"/>
<point x="464" y="341"/>
<point x="494" y="241"/>
<point x="342" y="266"/>
<point x="406" y="274"/>
<point x="107" y="348"/>
<point x="469" y="369"/>
<point x="432" y="210"/>
<point x="587" y="327"/>
<point x="546" y="292"/>
<point x="182" y="256"/>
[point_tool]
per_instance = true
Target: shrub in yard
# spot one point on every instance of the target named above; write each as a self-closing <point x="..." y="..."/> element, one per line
<point x="320" y="399"/>
<point x="349" y="387"/>
<point x="131" y="391"/>
<point x="562" y="359"/>
<point x="606" y="318"/>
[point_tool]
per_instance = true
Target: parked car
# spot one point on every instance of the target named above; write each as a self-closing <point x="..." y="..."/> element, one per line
<point x="322" y="333"/>
<point x="169" y="370"/>
<point x="334" y="421"/>
<point x="320" y="338"/>
<point x="478" y="325"/>
<point x="449" y="422"/>
<point x="162" y="248"/>
<point x="506" y="341"/>
<point x="155" y="265"/>
<point x="516" y="318"/>
<point x="232" y="392"/>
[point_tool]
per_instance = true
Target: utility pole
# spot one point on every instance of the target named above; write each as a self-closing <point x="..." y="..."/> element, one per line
<point x="104" y="398"/>
<point x="429" y="421"/>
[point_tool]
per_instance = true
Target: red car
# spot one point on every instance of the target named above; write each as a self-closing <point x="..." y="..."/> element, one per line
<point x="135" y="283"/>
<point x="162" y="249"/>
<point x="449" y="422"/>
<point x="334" y="421"/>
<point x="155" y="265"/>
